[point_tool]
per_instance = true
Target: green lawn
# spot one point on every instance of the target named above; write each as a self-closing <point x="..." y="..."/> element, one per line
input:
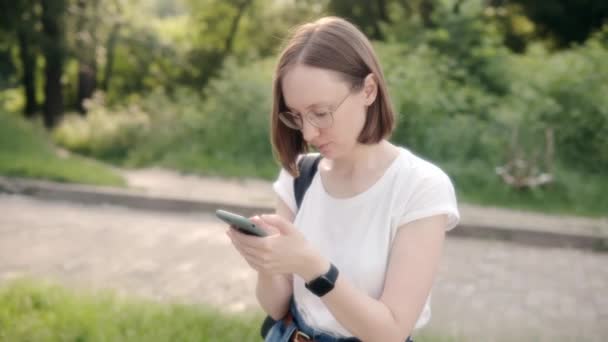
<point x="35" y="311"/>
<point x="26" y="151"/>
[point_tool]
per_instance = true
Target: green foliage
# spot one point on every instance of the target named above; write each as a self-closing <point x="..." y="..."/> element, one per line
<point x="572" y="192"/>
<point x="435" y="110"/>
<point x="31" y="310"/>
<point x="226" y="134"/>
<point x="455" y="122"/>
<point x="102" y="134"/>
<point x="191" y="91"/>
<point x="567" y="91"/>
<point x="25" y="151"/>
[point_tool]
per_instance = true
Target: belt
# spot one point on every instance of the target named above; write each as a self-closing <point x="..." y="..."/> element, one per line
<point x="298" y="335"/>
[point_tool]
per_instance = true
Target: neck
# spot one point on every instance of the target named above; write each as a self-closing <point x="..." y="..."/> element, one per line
<point x="361" y="159"/>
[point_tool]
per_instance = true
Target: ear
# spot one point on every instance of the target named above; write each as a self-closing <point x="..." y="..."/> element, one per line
<point x="370" y="89"/>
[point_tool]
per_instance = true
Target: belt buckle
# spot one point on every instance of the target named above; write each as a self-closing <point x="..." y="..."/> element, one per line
<point x="303" y="335"/>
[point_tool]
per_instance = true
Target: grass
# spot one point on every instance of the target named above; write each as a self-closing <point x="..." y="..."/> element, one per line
<point x="572" y="192"/>
<point x="34" y="311"/>
<point x="26" y="151"/>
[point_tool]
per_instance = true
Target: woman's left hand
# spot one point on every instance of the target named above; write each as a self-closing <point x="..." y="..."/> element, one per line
<point x="286" y="252"/>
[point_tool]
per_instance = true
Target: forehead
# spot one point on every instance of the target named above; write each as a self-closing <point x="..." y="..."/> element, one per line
<point x="304" y="86"/>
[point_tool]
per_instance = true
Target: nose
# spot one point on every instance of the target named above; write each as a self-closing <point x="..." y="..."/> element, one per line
<point x="309" y="131"/>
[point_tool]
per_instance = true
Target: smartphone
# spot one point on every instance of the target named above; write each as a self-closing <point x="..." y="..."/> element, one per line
<point x="241" y="223"/>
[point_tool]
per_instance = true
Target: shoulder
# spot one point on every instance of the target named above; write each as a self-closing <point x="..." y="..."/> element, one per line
<point x="415" y="171"/>
<point x="423" y="190"/>
<point x="284" y="184"/>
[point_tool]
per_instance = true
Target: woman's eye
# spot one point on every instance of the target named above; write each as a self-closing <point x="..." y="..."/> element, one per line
<point x="321" y="115"/>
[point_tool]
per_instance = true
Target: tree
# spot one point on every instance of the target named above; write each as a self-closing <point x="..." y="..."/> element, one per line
<point x="20" y="21"/>
<point x="218" y="22"/>
<point x="367" y="15"/>
<point x="86" y="49"/>
<point x="566" y="21"/>
<point x="54" y="53"/>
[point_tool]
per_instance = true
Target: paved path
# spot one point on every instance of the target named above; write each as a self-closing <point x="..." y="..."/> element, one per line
<point x="485" y="291"/>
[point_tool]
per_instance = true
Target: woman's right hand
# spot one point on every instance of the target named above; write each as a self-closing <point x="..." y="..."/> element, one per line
<point x="234" y="235"/>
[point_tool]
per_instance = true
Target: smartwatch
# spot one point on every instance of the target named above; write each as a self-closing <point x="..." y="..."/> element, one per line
<point x="324" y="283"/>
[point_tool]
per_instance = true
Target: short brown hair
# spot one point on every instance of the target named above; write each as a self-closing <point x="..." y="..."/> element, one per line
<point x="329" y="43"/>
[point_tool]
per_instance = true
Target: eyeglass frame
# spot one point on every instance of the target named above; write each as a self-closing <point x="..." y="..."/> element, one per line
<point x="308" y="115"/>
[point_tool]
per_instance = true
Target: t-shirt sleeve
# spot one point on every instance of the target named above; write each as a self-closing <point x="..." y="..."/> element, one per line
<point x="432" y="195"/>
<point x="283" y="186"/>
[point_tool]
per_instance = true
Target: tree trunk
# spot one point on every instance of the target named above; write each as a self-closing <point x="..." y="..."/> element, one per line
<point x="28" y="60"/>
<point x="383" y="14"/>
<point x="427" y="7"/>
<point x="216" y="58"/>
<point x="234" y="26"/>
<point x="54" y="50"/>
<point x="376" y="31"/>
<point x="86" y="83"/>
<point x="456" y="7"/>
<point x="408" y="8"/>
<point x="87" y="61"/>
<point x="110" y="48"/>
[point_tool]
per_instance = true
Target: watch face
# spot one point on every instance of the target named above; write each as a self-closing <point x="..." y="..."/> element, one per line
<point x="320" y="286"/>
<point x="324" y="285"/>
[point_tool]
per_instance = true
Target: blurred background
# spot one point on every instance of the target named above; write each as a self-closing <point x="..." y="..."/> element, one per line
<point x="509" y="97"/>
<point x="478" y="85"/>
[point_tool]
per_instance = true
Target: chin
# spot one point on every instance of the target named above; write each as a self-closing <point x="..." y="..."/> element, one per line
<point x="329" y="153"/>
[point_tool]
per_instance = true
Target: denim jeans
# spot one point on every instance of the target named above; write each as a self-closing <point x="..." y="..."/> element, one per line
<point x="280" y="332"/>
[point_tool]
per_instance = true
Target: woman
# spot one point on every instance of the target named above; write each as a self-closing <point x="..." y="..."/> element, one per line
<point x="357" y="260"/>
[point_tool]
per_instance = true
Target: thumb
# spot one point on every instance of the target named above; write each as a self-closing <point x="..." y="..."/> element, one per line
<point x="282" y="225"/>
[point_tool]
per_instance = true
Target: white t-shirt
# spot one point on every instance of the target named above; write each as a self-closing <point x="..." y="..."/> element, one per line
<point x="356" y="233"/>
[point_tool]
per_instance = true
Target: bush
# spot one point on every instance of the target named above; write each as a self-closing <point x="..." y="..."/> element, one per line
<point x="567" y="91"/>
<point x="224" y="131"/>
<point x="103" y="134"/>
<point x="447" y="112"/>
<point x="438" y="115"/>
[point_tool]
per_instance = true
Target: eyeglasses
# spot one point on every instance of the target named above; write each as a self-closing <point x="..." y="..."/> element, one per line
<point x="323" y="119"/>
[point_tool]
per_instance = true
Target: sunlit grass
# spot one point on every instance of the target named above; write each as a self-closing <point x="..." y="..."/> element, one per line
<point x="37" y="311"/>
<point x="26" y="151"/>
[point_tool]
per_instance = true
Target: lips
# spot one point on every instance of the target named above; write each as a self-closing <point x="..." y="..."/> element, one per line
<point x="319" y="147"/>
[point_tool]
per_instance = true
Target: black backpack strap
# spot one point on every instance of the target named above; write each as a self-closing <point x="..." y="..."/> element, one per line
<point x="307" y="166"/>
<point x="266" y="326"/>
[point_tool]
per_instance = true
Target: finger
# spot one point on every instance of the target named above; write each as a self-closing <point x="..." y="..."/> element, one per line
<point x="266" y="227"/>
<point x="251" y="257"/>
<point x="254" y="251"/>
<point x="283" y="226"/>
<point x="251" y="241"/>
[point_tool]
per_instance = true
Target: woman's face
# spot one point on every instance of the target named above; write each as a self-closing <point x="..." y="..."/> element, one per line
<point x="310" y="91"/>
